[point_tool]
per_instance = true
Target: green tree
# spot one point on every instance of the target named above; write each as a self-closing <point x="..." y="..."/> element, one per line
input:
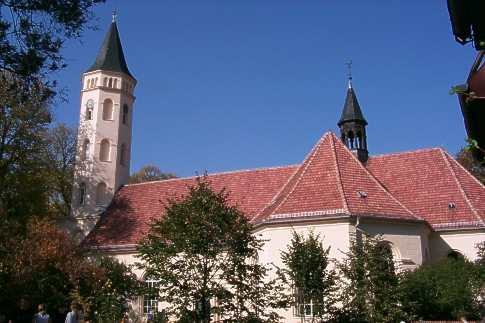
<point x="202" y="250"/>
<point x="32" y="33"/>
<point x="149" y="173"/>
<point x="24" y="119"/>
<point x="110" y="295"/>
<point x="60" y="156"/>
<point x="369" y="284"/>
<point x="309" y="278"/>
<point x="445" y="290"/>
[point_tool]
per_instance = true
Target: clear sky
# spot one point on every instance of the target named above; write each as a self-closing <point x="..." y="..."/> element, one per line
<point x="227" y="85"/>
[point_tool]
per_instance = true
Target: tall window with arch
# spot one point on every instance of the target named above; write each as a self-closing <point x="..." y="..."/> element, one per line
<point x="101" y="194"/>
<point x="82" y="193"/>
<point x="104" y="150"/>
<point x="123" y="154"/>
<point x="85" y="150"/>
<point x="126" y="111"/>
<point x="108" y="109"/>
<point x="150" y="299"/>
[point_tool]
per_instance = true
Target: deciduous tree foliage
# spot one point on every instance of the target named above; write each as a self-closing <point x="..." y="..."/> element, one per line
<point x="204" y="256"/>
<point x="446" y="290"/>
<point x="60" y="155"/>
<point x="149" y="173"/>
<point x="308" y="276"/>
<point x="370" y="286"/>
<point x="47" y="266"/>
<point x="24" y="118"/>
<point x="32" y="33"/>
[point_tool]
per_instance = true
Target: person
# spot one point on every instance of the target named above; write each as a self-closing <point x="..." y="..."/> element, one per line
<point x="73" y="315"/>
<point x="24" y="312"/>
<point x="41" y="316"/>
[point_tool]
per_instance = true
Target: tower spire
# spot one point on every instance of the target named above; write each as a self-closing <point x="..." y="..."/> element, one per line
<point x="352" y="123"/>
<point x="110" y="56"/>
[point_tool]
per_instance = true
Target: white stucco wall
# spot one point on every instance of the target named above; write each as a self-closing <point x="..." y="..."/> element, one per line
<point x="334" y="234"/>
<point x="409" y="240"/>
<point x="462" y="241"/>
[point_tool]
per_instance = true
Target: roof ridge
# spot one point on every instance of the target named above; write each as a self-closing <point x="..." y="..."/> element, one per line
<point x="406" y="152"/>
<point x="290" y="178"/>
<point x="310" y="158"/>
<point x="339" y="177"/>
<point x="463" y="168"/>
<point x="214" y="174"/>
<point x="460" y="187"/>
<point x="374" y="179"/>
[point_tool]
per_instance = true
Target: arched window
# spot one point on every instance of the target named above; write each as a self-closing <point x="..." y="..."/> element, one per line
<point x="110" y="82"/>
<point x="123" y="155"/>
<point x="115" y="84"/>
<point x="101" y="194"/>
<point x="96" y="82"/>
<point x="82" y="194"/>
<point x="108" y="110"/>
<point x="105" y="81"/>
<point x="85" y="150"/>
<point x="150" y="299"/>
<point x="351" y="139"/>
<point x="104" y="150"/>
<point x="125" y="113"/>
<point x="89" y="113"/>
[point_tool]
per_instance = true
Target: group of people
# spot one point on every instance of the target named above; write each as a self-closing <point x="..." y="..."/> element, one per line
<point x="24" y="315"/>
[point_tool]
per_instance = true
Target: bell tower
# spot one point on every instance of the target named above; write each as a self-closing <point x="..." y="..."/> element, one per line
<point x="352" y="125"/>
<point x="104" y="134"/>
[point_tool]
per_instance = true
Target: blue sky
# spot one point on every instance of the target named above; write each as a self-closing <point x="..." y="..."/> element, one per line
<point x="226" y="85"/>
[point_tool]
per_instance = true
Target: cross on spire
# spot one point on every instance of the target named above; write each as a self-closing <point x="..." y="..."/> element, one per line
<point x="113" y="16"/>
<point x="349" y="74"/>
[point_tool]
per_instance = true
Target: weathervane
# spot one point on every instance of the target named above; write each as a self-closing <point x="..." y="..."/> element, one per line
<point x="349" y="66"/>
<point x="114" y="16"/>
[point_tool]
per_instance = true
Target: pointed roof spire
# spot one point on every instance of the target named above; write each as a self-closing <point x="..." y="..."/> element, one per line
<point x="351" y="111"/>
<point x="110" y="56"/>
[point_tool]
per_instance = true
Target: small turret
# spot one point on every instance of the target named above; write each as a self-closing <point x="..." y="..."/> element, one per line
<point x="352" y="125"/>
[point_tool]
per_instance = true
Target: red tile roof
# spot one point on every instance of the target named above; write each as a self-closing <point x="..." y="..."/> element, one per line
<point x="412" y="185"/>
<point x="331" y="180"/>
<point x="127" y="218"/>
<point x="427" y="181"/>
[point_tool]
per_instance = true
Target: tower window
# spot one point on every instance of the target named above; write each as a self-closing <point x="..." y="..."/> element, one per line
<point x="123" y="155"/>
<point x="105" y="81"/>
<point x="108" y="110"/>
<point x="115" y="84"/>
<point x="101" y="194"/>
<point x="85" y="150"/>
<point x="110" y="82"/>
<point x="82" y="193"/>
<point x="104" y="150"/>
<point x="125" y="114"/>
<point x="89" y="113"/>
<point x="96" y="82"/>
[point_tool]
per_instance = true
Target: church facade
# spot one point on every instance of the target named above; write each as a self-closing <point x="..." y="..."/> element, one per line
<point x="423" y="202"/>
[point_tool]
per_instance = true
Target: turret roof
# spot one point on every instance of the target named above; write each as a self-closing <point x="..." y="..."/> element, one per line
<point x="351" y="111"/>
<point x="110" y="56"/>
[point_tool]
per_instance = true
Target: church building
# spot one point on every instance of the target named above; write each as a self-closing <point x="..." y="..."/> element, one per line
<point x="422" y="202"/>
